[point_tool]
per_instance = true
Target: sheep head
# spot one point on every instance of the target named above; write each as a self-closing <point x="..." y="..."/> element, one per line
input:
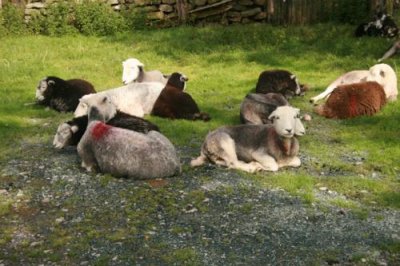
<point x="101" y="109"/>
<point x="379" y="72"/>
<point x="64" y="135"/>
<point x="82" y="108"/>
<point x="286" y="121"/>
<point x="131" y="70"/>
<point x="44" y="87"/>
<point x="178" y="80"/>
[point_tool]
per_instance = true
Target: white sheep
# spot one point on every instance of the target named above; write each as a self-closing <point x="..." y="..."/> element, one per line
<point x="255" y="147"/>
<point x="135" y="98"/>
<point x="381" y="73"/>
<point x="133" y="71"/>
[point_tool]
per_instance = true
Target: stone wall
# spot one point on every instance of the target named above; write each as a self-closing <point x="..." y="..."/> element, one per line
<point x="198" y="11"/>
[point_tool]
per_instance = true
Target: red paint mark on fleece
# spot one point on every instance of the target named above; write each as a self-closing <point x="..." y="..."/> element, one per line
<point x="353" y="106"/>
<point x="100" y="130"/>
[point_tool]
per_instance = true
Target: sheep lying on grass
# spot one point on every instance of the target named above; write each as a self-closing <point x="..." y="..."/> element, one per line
<point x="70" y="133"/>
<point x="126" y="153"/>
<point x="135" y="98"/>
<point x="254" y="147"/>
<point x="62" y="95"/>
<point x="279" y="81"/>
<point x="381" y="73"/>
<point x="347" y="101"/>
<point x="133" y="71"/>
<point x="174" y="103"/>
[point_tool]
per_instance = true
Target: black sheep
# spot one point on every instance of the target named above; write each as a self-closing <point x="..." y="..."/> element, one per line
<point x="71" y="132"/>
<point x="62" y="95"/>
<point x="382" y="25"/>
<point x="279" y="81"/>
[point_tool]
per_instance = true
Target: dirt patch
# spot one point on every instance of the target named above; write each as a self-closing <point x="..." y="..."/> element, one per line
<point x="59" y="214"/>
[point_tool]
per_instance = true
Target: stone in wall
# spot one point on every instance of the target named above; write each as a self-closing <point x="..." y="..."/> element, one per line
<point x="146" y="2"/>
<point x="260" y="2"/>
<point x="155" y="15"/>
<point x="251" y="12"/>
<point x="260" y="16"/>
<point x="166" y="8"/>
<point x="168" y="2"/>
<point x="246" y="2"/>
<point x="237" y="7"/>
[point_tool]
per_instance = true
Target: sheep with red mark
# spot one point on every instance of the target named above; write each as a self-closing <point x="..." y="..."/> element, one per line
<point x="133" y="71"/>
<point x="174" y="103"/>
<point x="62" y="95"/>
<point x="70" y="133"/>
<point x="125" y="153"/>
<point x="255" y="147"/>
<point x="381" y="73"/>
<point x="352" y="100"/>
<point x="280" y="81"/>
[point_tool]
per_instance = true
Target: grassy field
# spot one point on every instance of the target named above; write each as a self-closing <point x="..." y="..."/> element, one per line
<point x="222" y="65"/>
<point x="357" y="158"/>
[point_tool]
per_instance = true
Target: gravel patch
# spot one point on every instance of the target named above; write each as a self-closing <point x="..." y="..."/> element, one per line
<point x="58" y="214"/>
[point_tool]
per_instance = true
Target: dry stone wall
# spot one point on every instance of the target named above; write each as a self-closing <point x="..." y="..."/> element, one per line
<point x="198" y="11"/>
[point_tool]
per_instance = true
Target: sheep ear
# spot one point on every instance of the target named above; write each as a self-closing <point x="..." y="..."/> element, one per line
<point x="293" y="76"/>
<point x="50" y="82"/>
<point x="382" y="73"/>
<point x="74" y="129"/>
<point x="271" y="117"/>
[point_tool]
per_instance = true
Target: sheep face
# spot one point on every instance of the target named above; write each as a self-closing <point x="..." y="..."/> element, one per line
<point x="378" y="73"/>
<point x="298" y="90"/>
<point x="286" y="121"/>
<point x="178" y="80"/>
<point x="102" y="109"/>
<point x="83" y="106"/>
<point x="131" y="70"/>
<point x="43" y="87"/>
<point x="64" y="135"/>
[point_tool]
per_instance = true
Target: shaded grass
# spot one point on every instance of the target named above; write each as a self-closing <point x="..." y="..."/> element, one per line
<point x="223" y="65"/>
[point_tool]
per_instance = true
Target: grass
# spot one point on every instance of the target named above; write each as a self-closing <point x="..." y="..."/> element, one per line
<point x="223" y="65"/>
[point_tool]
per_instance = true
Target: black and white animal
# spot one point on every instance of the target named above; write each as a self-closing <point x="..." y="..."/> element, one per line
<point x="135" y="98"/>
<point x="125" y="153"/>
<point x="70" y="133"/>
<point x="133" y="71"/>
<point x="391" y="51"/>
<point x="62" y="95"/>
<point x="174" y="103"/>
<point x="382" y="25"/>
<point x="381" y="73"/>
<point x="254" y="147"/>
<point x="279" y="81"/>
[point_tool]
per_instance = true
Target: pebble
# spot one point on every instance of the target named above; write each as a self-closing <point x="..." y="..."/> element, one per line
<point x="60" y="220"/>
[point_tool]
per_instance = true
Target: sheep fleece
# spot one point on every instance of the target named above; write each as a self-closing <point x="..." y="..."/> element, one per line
<point x="125" y="153"/>
<point x="347" y="101"/>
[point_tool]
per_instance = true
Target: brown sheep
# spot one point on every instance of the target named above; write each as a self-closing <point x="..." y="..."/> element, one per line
<point x="174" y="103"/>
<point x="352" y="100"/>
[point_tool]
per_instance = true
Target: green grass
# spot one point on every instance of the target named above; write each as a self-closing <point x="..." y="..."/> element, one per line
<point x="223" y="65"/>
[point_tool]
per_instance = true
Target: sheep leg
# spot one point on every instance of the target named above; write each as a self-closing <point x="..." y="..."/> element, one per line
<point x="324" y="94"/>
<point x="267" y="162"/>
<point x="293" y="162"/>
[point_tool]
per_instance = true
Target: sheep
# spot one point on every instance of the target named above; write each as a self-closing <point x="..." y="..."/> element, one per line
<point x="392" y="50"/>
<point x="135" y="99"/>
<point x="381" y="73"/>
<point x="352" y="100"/>
<point x="62" y="95"/>
<point x="133" y="72"/>
<point x="279" y="81"/>
<point x="256" y="108"/>
<point x="174" y="103"/>
<point x="254" y="147"/>
<point x="70" y="133"/>
<point x="125" y="153"/>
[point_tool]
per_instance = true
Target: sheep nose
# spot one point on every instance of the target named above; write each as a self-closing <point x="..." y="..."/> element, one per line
<point x="289" y="130"/>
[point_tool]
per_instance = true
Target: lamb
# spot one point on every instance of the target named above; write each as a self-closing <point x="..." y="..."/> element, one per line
<point x="125" y="153"/>
<point x="279" y="81"/>
<point x="133" y="71"/>
<point x="70" y="133"/>
<point x="62" y="95"/>
<point x="382" y="25"/>
<point x="254" y="147"/>
<point x="381" y="73"/>
<point x="135" y="99"/>
<point x="352" y="100"/>
<point x="174" y="103"/>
